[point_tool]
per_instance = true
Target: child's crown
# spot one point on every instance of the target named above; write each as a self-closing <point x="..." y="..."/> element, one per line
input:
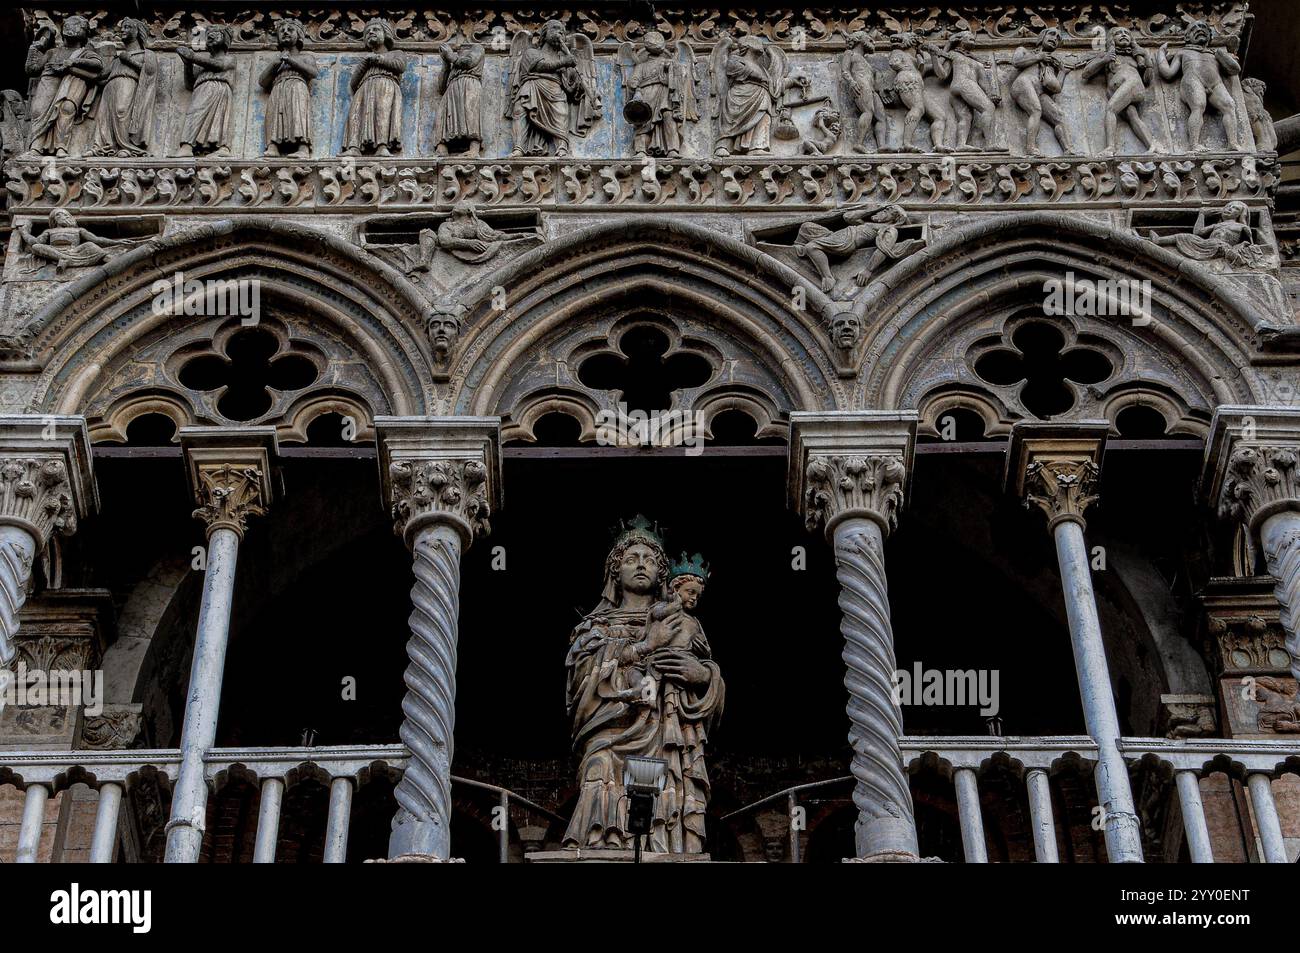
<point x="689" y="566"/>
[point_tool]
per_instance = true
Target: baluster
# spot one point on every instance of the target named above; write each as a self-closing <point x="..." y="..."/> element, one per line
<point x="968" y="812"/>
<point x="1040" y="816"/>
<point x="29" y="834"/>
<point x="268" y="821"/>
<point x="1270" y="829"/>
<point x="336" y="830"/>
<point x="1198" y="835"/>
<point x="104" y="841"/>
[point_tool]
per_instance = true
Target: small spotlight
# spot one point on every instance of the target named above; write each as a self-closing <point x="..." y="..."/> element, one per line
<point x="643" y="780"/>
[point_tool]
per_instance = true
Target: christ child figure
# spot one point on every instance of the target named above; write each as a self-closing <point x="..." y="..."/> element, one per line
<point x="667" y="660"/>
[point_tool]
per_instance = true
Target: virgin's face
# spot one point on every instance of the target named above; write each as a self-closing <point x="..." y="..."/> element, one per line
<point x="639" y="571"/>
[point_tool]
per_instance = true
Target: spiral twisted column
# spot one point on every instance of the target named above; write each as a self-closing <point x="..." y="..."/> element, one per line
<point x="230" y="474"/>
<point x="441" y="477"/>
<point x="847" y="475"/>
<point x="46" y="486"/>
<point x="1253" y="476"/>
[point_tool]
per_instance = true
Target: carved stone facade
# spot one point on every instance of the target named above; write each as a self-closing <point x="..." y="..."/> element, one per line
<point x="463" y="241"/>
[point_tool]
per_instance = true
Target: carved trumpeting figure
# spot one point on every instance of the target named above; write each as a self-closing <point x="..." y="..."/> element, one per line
<point x="1231" y="238"/>
<point x="659" y="82"/>
<point x="642" y="682"/>
<point x="553" y="93"/>
<point x="910" y="61"/>
<point x="375" y="114"/>
<point x="288" y="79"/>
<point x="124" y="114"/>
<point x="749" y="81"/>
<point x="67" y="89"/>
<point x="66" y="243"/>
<point x="1261" y="123"/>
<point x="1203" y="70"/>
<point x="973" y="93"/>
<point x="864" y="228"/>
<point x="459" y="126"/>
<point x="859" y="79"/>
<point x="1040" y="79"/>
<point x="209" y="73"/>
<point x="1129" y="71"/>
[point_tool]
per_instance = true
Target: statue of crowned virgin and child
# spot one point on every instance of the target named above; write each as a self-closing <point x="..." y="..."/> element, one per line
<point x="642" y="682"/>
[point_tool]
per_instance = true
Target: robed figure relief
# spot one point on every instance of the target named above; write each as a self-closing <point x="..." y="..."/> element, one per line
<point x="125" y="111"/>
<point x="553" y="92"/>
<point x="375" y="116"/>
<point x="749" y="81"/>
<point x="642" y="683"/>
<point x="459" y="126"/>
<point x="659" y="82"/>
<point x="287" y="79"/>
<point x="69" y="77"/>
<point x="208" y="72"/>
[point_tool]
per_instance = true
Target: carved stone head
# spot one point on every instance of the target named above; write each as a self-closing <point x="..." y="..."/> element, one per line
<point x="654" y="43"/>
<point x="217" y="38"/>
<point x="963" y="40"/>
<point x="131" y="30"/>
<point x="750" y="44"/>
<point x="1255" y="87"/>
<point x="462" y="211"/>
<point x="1049" y="39"/>
<point x="62" y="218"/>
<point x="1199" y="33"/>
<point x="443" y="328"/>
<point x="553" y="33"/>
<point x="75" y="30"/>
<point x="1236" y="212"/>
<point x="891" y="215"/>
<point x="861" y="40"/>
<point x="1121" y="40"/>
<point x="379" y="33"/>
<point x="846" y="330"/>
<point x="830" y="120"/>
<point x="290" y="34"/>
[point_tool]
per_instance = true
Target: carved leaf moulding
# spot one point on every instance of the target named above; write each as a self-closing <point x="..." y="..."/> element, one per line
<point x="415" y="28"/>
<point x="743" y="184"/>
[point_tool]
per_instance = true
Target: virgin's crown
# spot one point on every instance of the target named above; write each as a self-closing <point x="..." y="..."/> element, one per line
<point x="638" y="528"/>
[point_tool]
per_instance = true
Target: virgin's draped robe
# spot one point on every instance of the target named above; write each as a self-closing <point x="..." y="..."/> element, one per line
<point x="746" y="113"/>
<point x="613" y="719"/>
<point x="126" y="104"/>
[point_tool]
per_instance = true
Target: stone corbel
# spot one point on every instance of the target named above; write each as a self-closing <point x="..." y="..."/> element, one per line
<point x="230" y="473"/>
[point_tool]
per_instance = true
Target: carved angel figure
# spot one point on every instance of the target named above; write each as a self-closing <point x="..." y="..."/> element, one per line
<point x="1128" y="72"/>
<point x="66" y="92"/>
<point x="1230" y="238"/>
<point x="1203" y="70"/>
<point x="459" y="126"/>
<point x="859" y="78"/>
<point x="66" y="243"/>
<point x="972" y="91"/>
<point x="208" y="73"/>
<point x="553" y="92"/>
<point x="863" y="228"/>
<point x="659" y="83"/>
<point x="124" y="114"/>
<point x="749" y="82"/>
<point x="288" y="79"/>
<point x="1040" y="78"/>
<point x="910" y="61"/>
<point x="375" y="115"/>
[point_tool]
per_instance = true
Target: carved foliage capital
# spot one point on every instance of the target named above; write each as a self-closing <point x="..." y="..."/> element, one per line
<point x="869" y="484"/>
<point x="36" y="492"/>
<point x="1061" y="487"/>
<point x="454" y="490"/>
<point x="1260" y="479"/>
<point x="228" y="494"/>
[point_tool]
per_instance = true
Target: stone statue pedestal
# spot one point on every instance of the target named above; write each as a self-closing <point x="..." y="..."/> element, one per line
<point x="609" y="855"/>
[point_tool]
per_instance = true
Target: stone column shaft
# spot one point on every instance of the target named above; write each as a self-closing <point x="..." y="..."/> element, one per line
<point x="441" y="478"/>
<point x="230" y="473"/>
<point x="847" y="474"/>
<point x="1055" y="467"/>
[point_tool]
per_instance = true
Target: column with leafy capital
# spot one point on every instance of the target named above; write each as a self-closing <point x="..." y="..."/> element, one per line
<point x="46" y="486"/>
<point x="230" y="474"/>
<point x="1252" y="478"/>
<point x="441" y="477"/>
<point x="848" y="473"/>
<point x="1055" y="467"/>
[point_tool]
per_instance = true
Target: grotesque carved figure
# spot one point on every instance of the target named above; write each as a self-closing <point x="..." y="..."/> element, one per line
<point x="642" y="682"/>
<point x="1203" y="71"/>
<point x="288" y="80"/>
<point x="659" y="83"/>
<point x="126" y="102"/>
<point x="859" y="78"/>
<point x="970" y="88"/>
<point x="910" y="61"/>
<point x="66" y="91"/>
<point x="1231" y="238"/>
<point x="1261" y="123"/>
<point x="443" y="328"/>
<point x="459" y="126"/>
<point x="208" y="73"/>
<point x="1040" y="79"/>
<point x="1280" y="709"/>
<point x="825" y="135"/>
<point x="1128" y="71"/>
<point x="66" y="243"/>
<point x="553" y="92"/>
<point x="846" y="330"/>
<point x="749" y="79"/>
<point x="375" y="115"/>
<point x="864" y="228"/>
